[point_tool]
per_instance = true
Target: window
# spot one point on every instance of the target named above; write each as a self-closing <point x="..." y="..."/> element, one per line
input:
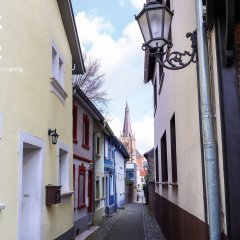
<point x="103" y="187"/>
<point x="173" y="148"/>
<point x="85" y="136"/>
<point x="75" y="118"/>
<point x="97" y="188"/>
<point x="81" y="186"/>
<point x="57" y="79"/>
<point x="111" y="185"/>
<point x="57" y="66"/>
<point x="106" y="147"/>
<point x="164" y="158"/>
<point x="130" y="174"/>
<point x="109" y="150"/>
<point x="98" y="145"/>
<point x="156" y="164"/>
<point x="63" y="170"/>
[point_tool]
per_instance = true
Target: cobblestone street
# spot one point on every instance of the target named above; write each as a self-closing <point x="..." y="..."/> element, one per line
<point x="135" y="222"/>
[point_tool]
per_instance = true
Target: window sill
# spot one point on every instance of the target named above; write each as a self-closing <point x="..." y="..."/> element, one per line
<point x="67" y="194"/>
<point x="174" y="184"/>
<point x="85" y="146"/>
<point x="162" y="183"/>
<point x="83" y="205"/>
<point x="58" y="90"/>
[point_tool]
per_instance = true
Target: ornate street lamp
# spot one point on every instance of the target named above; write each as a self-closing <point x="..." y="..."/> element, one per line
<point x="155" y="23"/>
<point x="54" y="135"/>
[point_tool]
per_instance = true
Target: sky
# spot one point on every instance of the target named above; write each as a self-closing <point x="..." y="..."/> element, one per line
<point x="108" y="31"/>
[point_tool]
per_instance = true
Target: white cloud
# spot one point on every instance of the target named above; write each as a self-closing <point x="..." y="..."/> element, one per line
<point x="138" y="4"/>
<point x="122" y="62"/>
<point x="121" y="59"/>
<point x="143" y="132"/>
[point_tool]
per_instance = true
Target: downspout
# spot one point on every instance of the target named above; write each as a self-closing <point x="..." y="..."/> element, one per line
<point x="207" y="121"/>
<point x="115" y="180"/>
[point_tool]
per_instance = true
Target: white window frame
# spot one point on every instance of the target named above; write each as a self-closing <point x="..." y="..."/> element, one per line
<point x="58" y="73"/>
<point x="63" y="168"/>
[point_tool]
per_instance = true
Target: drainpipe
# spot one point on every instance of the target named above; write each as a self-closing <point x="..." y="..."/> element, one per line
<point x="207" y="121"/>
<point x="115" y="180"/>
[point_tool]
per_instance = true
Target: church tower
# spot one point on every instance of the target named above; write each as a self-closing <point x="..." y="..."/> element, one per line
<point x="127" y="137"/>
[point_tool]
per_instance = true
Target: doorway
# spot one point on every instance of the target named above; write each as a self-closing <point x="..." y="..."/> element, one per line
<point x="30" y="189"/>
<point x="90" y="190"/>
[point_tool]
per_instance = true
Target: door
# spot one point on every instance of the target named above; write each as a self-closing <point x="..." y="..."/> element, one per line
<point x="90" y="190"/>
<point x="30" y="195"/>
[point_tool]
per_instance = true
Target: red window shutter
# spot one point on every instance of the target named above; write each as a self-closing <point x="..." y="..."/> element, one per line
<point x="75" y="119"/>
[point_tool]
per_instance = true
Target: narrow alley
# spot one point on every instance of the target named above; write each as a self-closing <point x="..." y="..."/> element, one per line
<point x="135" y="221"/>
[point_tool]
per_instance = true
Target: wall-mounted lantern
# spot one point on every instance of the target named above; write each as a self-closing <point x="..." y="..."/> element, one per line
<point x="54" y="135"/>
<point x="155" y="23"/>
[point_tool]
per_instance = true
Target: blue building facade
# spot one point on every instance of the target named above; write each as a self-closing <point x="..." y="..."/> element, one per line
<point x="109" y="170"/>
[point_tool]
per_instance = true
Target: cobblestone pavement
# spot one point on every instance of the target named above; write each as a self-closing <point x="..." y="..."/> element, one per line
<point x="105" y="226"/>
<point x="135" y="222"/>
<point x="151" y="227"/>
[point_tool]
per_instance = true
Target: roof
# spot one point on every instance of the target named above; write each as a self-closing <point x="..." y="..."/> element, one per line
<point x="149" y="153"/>
<point x="120" y="147"/>
<point x="66" y="11"/>
<point x="127" y="129"/>
<point x="86" y="102"/>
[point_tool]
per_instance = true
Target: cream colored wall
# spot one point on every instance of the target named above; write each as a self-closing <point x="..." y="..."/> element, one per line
<point x="27" y="103"/>
<point x="179" y="94"/>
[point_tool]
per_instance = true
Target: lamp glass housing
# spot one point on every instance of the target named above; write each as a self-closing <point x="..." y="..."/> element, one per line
<point x="54" y="138"/>
<point x="53" y="134"/>
<point x="155" y="23"/>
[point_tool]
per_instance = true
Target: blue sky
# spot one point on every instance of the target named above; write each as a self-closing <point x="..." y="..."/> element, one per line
<point x="119" y="15"/>
<point x="108" y="31"/>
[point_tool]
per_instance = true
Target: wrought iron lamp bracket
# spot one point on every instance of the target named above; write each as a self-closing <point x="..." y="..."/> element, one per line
<point x="174" y="60"/>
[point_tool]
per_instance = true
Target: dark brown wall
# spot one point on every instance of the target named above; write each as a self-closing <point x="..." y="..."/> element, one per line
<point x="176" y="223"/>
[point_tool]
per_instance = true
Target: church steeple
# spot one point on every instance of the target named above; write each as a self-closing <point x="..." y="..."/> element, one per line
<point x="127" y="129"/>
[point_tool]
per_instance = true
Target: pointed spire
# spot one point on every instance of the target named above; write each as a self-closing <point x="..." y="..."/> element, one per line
<point x="127" y="129"/>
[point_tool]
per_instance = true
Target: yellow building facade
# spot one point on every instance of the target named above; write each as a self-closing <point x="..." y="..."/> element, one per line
<point x="40" y="51"/>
